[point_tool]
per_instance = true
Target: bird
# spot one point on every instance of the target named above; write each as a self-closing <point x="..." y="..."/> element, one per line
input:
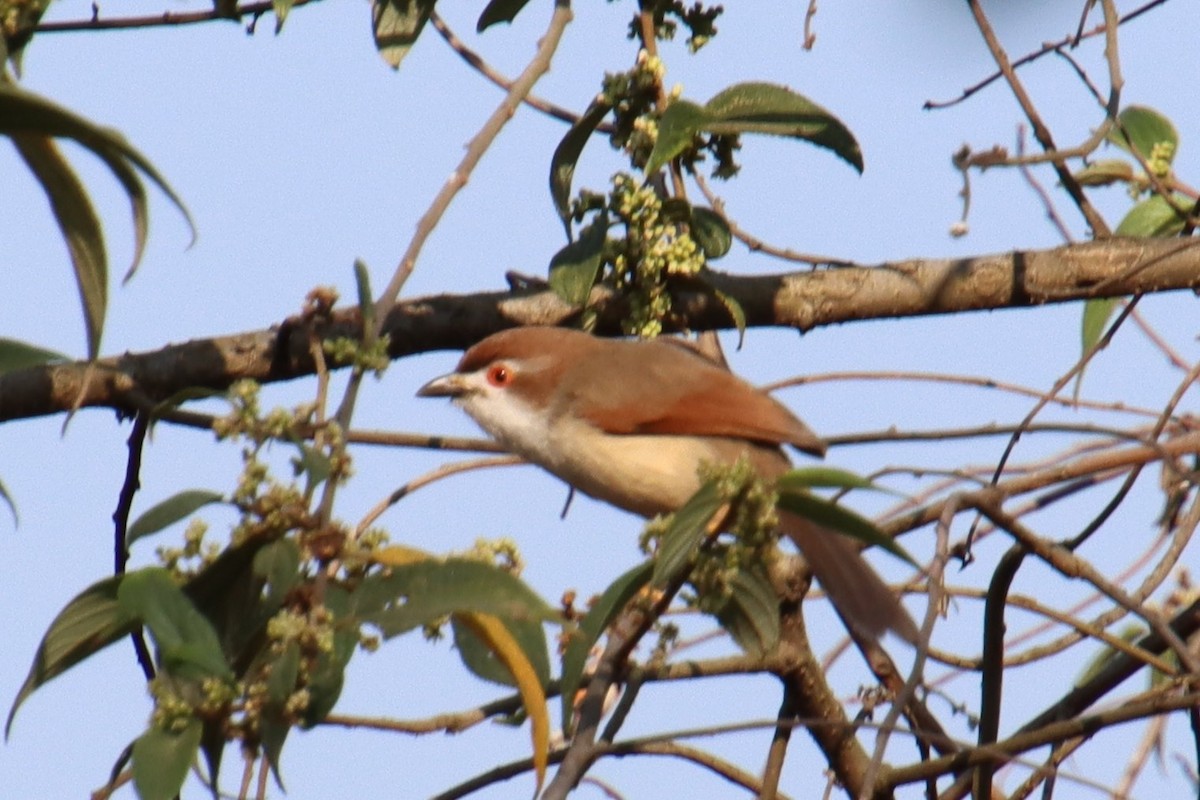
<point x="630" y="422"/>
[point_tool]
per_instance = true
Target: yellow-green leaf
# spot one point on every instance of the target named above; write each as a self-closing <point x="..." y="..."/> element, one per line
<point x="161" y="760"/>
<point x="169" y="511"/>
<point x="397" y="24"/>
<point x="16" y="355"/>
<point x="498" y="639"/>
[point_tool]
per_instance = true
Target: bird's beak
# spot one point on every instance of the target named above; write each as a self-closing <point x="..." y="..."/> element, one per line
<point x="452" y="385"/>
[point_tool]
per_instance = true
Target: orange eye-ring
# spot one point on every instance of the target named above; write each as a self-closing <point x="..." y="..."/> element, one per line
<point x="499" y="375"/>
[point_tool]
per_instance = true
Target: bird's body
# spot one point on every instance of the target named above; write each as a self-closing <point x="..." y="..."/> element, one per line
<point x="631" y="422"/>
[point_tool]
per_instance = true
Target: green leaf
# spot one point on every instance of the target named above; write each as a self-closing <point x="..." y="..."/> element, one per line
<point x="79" y="225"/>
<point x="823" y="477"/>
<point x="736" y="313"/>
<point x="415" y="594"/>
<point x="89" y="623"/>
<point x="397" y="24"/>
<point x="1140" y="128"/>
<point x="187" y="644"/>
<point x="1095" y="316"/>
<point x="1104" y="172"/>
<point x="499" y="11"/>
<point x="483" y="661"/>
<point x="329" y="673"/>
<point x="680" y="124"/>
<point x="311" y="463"/>
<point x="15" y="355"/>
<point x="843" y="520"/>
<point x="751" y="612"/>
<point x="25" y="112"/>
<point x="281" y="681"/>
<point x="685" y="534"/>
<point x="598" y="617"/>
<point x="279" y="564"/>
<point x="777" y="110"/>
<point x="574" y="268"/>
<point x="366" y="305"/>
<point x="711" y="232"/>
<point x="1154" y="217"/>
<point x="170" y="511"/>
<point x="566" y="156"/>
<point x="161" y="760"/>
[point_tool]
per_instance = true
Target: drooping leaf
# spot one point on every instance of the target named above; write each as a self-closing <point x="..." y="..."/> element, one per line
<point x="169" y="511"/>
<point x="566" y="156"/>
<point x="89" y="623"/>
<point x="1154" y="217"/>
<point x="281" y="682"/>
<point x="751" y="612"/>
<point x="1096" y="313"/>
<point x="16" y="355"/>
<point x="711" y="232"/>
<point x="598" y="617"/>
<point x="23" y="112"/>
<point x="161" y="760"/>
<point x="499" y="11"/>
<point x="680" y="124"/>
<point x="484" y="662"/>
<point x="777" y="110"/>
<point x="499" y="640"/>
<point x="415" y="594"/>
<point x="840" y="519"/>
<point x="187" y="644"/>
<point x="1140" y="128"/>
<point x="397" y="24"/>
<point x="574" y="268"/>
<point x="736" y="313"/>
<point x="1104" y="172"/>
<point x="687" y="531"/>
<point x="80" y="228"/>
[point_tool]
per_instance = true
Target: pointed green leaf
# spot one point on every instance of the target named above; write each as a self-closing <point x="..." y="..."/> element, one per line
<point x="1095" y="316"/>
<point x="751" y="612"/>
<point x="843" y="520"/>
<point x="1140" y="128"/>
<point x="598" y="617"/>
<point x="212" y="745"/>
<point x="1154" y="217"/>
<point x="499" y="11"/>
<point x="423" y="592"/>
<point x="566" y="156"/>
<point x="483" y="661"/>
<point x="1104" y="172"/>
<point x="736" y="313"/>
<point x="777" y="110"/>
<point x="89" y="623"/>
<point x="25" y="112"/>
<point x="329" y="674"/>
<point x="16" y="355"/>
<point x="187" y="644"/>
<point x="822" y="477"/>
<point x="685" y="534"/>
<point x="161" y="760"/>
<point x="175" y="508"/>
<point x="1129" y="633"/>
<point x="397" y="24"/>
<point x="79" y="225"/>
<point x="680" y="124"/>
<point x="711" y="232"/>
<point x="574" y="269"/>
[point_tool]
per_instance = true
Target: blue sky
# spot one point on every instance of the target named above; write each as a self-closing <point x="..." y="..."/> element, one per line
<point x="299" y="153"/>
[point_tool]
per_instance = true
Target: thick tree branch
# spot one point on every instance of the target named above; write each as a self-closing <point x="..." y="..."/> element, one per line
<point x="802" y="300"/>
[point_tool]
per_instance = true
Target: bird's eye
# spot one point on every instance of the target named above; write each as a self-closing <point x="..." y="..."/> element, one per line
<point x="499" y="375"/>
